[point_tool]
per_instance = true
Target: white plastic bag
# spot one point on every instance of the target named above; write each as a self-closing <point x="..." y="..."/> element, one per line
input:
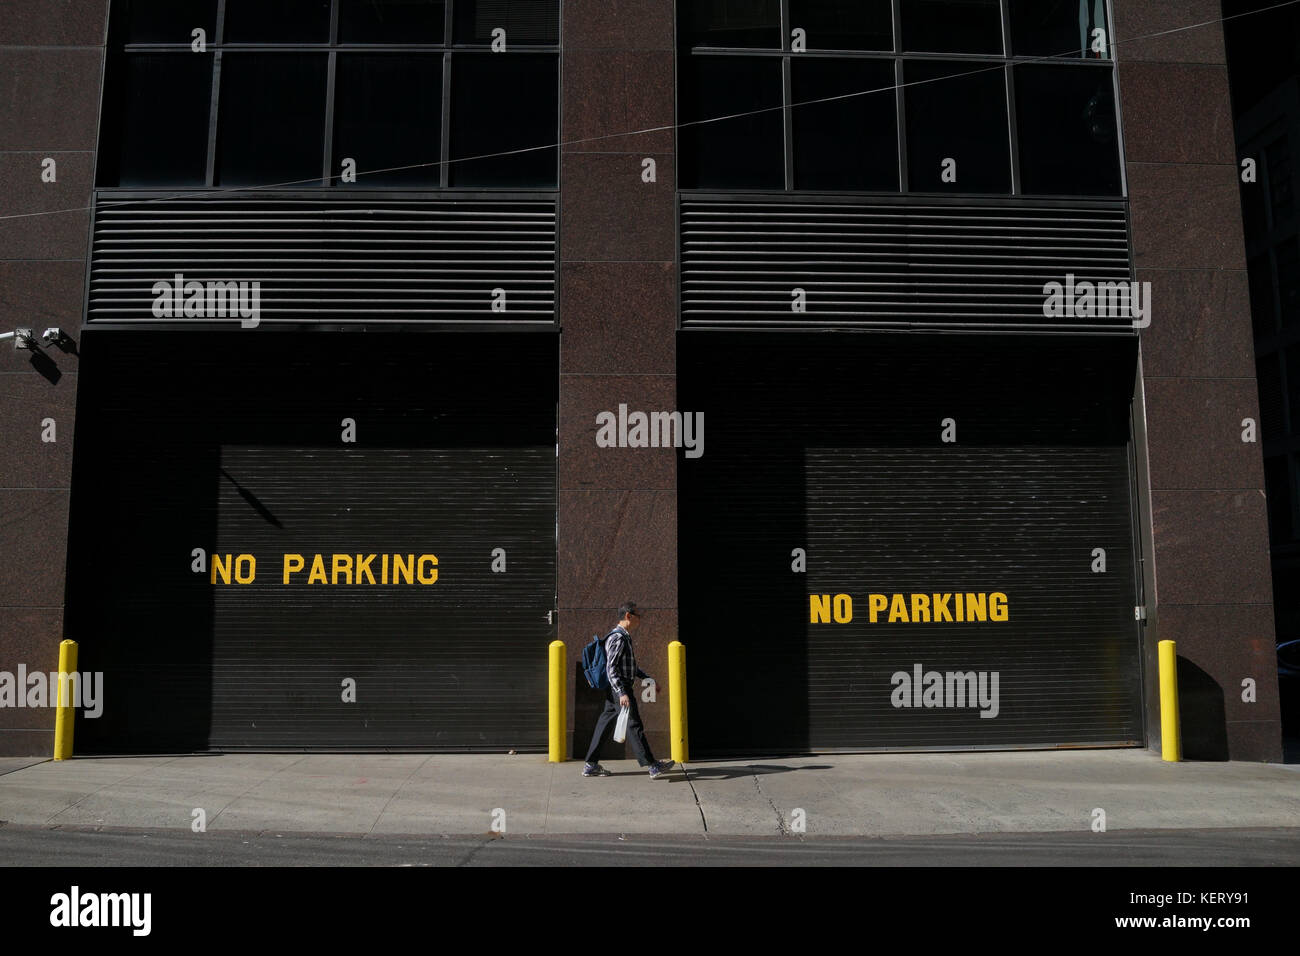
<point x="620" y="728"/>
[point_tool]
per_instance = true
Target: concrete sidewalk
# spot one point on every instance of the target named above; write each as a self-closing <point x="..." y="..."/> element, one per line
<point x="840" y="795"/>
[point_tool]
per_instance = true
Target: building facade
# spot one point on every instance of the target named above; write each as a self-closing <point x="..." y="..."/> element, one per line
<point x="894" y="356"/>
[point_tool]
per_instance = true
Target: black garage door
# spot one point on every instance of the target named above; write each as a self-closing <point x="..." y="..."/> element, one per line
<point x="851" y="580"/>
<point x="390" y="591"/>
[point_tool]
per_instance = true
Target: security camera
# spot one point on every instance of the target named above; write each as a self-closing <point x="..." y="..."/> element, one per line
<point x="23" y="338"/>
<point x="52" y="336"/>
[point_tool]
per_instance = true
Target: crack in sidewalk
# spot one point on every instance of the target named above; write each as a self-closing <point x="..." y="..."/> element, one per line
<point x="699" y="806"/>
<point x="380" y="815"/>
<point x="49" y="821"/>
<point x="781" y="826"/>
<point x="253" y="786"/>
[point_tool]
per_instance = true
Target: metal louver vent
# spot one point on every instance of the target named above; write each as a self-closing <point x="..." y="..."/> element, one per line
<point x="892" y="265"/>
<point x="337" y="259"/>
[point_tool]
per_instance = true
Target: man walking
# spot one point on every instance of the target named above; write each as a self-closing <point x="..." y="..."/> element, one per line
<point x="620" y="667"/>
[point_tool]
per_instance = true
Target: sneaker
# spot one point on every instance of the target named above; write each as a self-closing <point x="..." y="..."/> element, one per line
<point x="595" y="770"/>
<point x="662" y="767"/>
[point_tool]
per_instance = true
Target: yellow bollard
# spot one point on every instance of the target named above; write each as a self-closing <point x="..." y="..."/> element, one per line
<point x="559" y="712"/>
<point x="1170" y="736"/>
<point x="677" y="700"/>
<point x="64" y="715"/>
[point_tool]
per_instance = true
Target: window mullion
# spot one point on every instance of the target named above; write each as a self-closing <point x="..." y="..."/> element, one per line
<point x="1013" y="131"/>
<point x="327" y="164"/>
<point x="900" y="124"/>
<point x="214" y="104"/>
<point x="787" y="97"/>
<point x="787" y="88"/>
<point x="444" y="141"/>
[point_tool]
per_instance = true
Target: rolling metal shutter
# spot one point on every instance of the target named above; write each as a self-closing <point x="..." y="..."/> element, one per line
<point x="233" y="443"/>
<point x="833" y="444"/>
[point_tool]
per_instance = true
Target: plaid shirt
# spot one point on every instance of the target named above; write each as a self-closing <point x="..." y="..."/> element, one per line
<point x="620" y="662"/>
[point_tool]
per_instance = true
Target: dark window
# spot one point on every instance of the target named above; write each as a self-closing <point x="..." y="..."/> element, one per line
<point x="391" y="21"/>
<point x="1288" y="281"/>
<point x="1277" y="159"/>
<point x="849" y="143"/>
<point x="957" y="111"/>
<point x="526" y="22"/>
<point x="844" y="24"/>
<point x="742" y="153"/>
<point x="1291" y="503"/>
<point x="293" y="101"/>
<point x="735" y="59"/>
<point x="1260" y="275"/>
<point x="156" y="121"/>
<point x="1277" y="488"/>
<point x="166" y="21"/>
<point x="952" y="26"/>
<point x="1292" y="395"/>
<point x="1268" y="369"/>
<point x="754" y="24"/>
<point x="1065" y="28"/>
<point x="277" y="21"/>
<point x="502" y="103"/>
<point x="1065" y="119"/>
<point x="388" y="114"/>
<point x="1253" y="206"/>
<point x="271" y="130"/>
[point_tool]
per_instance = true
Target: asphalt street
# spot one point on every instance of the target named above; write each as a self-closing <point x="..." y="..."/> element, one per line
<point x="36" y="846"/>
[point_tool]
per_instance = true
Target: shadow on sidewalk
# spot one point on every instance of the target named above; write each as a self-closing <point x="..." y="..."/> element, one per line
<point x="747" y="770"/>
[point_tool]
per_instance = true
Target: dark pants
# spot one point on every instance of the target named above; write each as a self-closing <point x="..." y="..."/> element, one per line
<point x="635" y="732"/>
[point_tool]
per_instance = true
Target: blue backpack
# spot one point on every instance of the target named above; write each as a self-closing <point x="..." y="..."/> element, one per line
<point x="593" y="663"/>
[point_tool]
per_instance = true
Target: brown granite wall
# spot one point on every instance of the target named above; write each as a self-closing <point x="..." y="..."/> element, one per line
<point x="1208" y="582"/>
<point x="51" y="54"/>
<point x="618" y="309"/>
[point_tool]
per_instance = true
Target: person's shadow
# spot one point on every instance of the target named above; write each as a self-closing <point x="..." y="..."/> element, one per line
<point x="587" y="706"/>
<point x="696" y="772"/>
<point x="742" y="769"/>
